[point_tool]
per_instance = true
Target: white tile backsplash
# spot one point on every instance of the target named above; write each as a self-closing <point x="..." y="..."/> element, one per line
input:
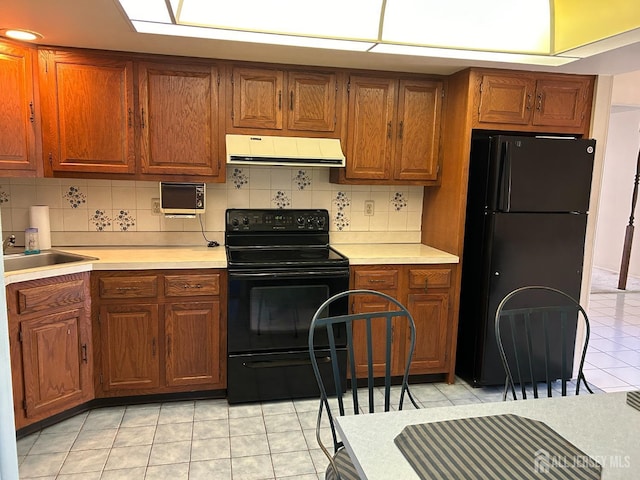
<point x="118" y="212"/>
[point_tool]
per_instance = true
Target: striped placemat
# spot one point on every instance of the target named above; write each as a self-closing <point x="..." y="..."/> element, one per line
<point x="633" y="399"/>
<point x="493" y="447"/>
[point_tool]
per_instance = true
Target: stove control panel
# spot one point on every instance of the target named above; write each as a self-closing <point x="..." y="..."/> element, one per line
<point x="274" y="220"/>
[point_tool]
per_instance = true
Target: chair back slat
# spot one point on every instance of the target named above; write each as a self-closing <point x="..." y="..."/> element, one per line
<point x="530" y="354"/>
<point x="540" y="325"/>
<point x="547" y="353"/>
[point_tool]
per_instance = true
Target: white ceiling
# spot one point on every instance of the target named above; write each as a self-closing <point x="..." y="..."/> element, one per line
<point x="101" y="24"/>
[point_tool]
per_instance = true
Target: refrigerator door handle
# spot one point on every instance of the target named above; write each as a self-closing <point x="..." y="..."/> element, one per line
<point x="505" y="194"/>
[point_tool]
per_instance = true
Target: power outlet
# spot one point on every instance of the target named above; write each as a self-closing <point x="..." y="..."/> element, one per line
<point x="155" y="206"/>
<point x="369" y="207"/>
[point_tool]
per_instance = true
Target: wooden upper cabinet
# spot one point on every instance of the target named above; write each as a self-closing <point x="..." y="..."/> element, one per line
<point x="289" y="103"/>
<point x="562" y="102"/>
<point x="87" y="109"/>
<point x="506" y="99"/>
<point x="178" y="119"/>
<point x="534" y="102"/>
<point x="312" y="101"/>
<point x="418" y="130"/>
<point x="257" y="98"/>
<point x="370" y="127"/>
<point x="393" y="133"/>
<point x="18" y="115"/>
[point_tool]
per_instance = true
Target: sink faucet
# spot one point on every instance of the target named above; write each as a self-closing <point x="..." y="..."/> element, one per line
<point x="10" y="241"/>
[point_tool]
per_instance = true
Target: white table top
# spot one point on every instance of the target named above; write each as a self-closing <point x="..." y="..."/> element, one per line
<point x="602" y="425"/>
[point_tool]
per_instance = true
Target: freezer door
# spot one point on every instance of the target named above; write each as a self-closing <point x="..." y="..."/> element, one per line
<point x="542" y="174"/>
<point x="527" y="249"/>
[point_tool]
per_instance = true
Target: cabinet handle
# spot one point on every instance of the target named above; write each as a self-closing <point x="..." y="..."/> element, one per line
<point x="142" y="118"/>
<point x="168" y="345"/>
<point x="539" y="107"/>
<point x="528" y="106"/>
<point x="279" y="99"/>
<point x="129" y="112"/>
<point x="401" y="129"/>
<point x="389" y="130"/>
<point x="153" y="347"/>
<point x="85" y="357"/>
<point x="291" y="101"/>
<point x="186" y="286"/>
<point x="426" y="286"/>
<point x="32" y="114"/>
<point x="126" y="289"/>
<point x="376" y="280"/>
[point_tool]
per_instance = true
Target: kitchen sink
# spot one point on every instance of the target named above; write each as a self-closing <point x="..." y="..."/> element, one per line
<point x="20" y="261"/>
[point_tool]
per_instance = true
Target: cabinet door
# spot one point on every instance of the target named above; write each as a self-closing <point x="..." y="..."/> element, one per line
<point x="418" y="130"/>
<point x="370" y="128"/>
<point x="561" y="102"/>
<point x="55" y="360"/>
<point x="506" y="99"/>
<point x="368" y="304"/>
<point x="192" y="343"/>
<point x="312" y="101"/>
<point x="87" y="113"/>
<point x="130" y="356"/>
<point x="179" y="119"/>
<point x="257" y="98"/>
<point x="430" y="313"/>
<point x="18" y="116"/>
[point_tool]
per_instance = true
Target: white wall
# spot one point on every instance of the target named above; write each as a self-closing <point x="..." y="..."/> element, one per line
<point x="8" y="454"/>
<point x="620" y="163"/>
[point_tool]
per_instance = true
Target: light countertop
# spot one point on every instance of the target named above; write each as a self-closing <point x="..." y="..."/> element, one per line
<point x="146" y="258"/>
<point x="393" y="253"/>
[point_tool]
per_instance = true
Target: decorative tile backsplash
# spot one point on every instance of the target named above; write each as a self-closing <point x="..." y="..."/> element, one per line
<point x="108" y="212"/>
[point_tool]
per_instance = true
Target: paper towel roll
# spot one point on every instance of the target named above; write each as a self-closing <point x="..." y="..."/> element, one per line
<point x="39" y="218"/>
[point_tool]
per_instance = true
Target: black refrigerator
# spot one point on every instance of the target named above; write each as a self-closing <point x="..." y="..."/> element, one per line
<point x="525" y="224"/>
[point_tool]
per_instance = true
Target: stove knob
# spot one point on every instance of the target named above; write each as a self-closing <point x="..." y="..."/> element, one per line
<point x="300" y="221"/>
<point x="320" y="222"/>
<point x="245" y="221"/>
<point x="235" y="222"/>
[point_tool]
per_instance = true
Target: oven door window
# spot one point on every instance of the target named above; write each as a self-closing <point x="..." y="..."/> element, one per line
<point x="275" y="314"/>
<point x="284" y="310"/>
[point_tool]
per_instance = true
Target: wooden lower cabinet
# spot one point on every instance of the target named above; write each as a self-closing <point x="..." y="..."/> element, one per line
<point x="192" y="342"/>
<point x="50" y="346"/>
<point x="129" y="335"/>
<point x="160" y="331"/>
<point x="426" y="292"/>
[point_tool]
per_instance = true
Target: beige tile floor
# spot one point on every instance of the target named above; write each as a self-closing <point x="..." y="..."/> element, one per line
<point x="208" y="439"/>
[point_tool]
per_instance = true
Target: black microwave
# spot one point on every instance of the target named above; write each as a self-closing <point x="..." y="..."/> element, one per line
<point x="182" y="198"/>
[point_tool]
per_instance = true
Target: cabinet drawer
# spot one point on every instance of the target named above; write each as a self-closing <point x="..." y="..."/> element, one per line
<point x="376" y="279"/>
<point x="429" y="278"/>
<point x="43" y="297"/>
<point x="129" y="287"/>
<point x="181" y="285"/>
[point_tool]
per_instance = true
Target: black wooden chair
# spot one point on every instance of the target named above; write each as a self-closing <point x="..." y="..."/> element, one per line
<point x="388" y="323"/>
<point x="536" y="329"/>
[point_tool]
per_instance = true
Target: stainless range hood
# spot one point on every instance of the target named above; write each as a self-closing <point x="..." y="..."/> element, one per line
<point x="288" y="151"/>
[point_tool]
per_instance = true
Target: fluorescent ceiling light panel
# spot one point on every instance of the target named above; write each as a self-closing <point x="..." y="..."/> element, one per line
<point x="149" y="10"/>
<point x="346" y="19"/>
<point x="471" y="55"/>
<point x="237" y="36"/>
<point x="521" y="26"/>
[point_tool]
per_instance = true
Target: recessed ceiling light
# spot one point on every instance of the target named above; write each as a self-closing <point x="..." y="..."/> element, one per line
<point x="24" y="35"/>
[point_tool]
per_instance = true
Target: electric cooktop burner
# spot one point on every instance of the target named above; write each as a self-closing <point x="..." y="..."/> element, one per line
<point x="279" y="238"/>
